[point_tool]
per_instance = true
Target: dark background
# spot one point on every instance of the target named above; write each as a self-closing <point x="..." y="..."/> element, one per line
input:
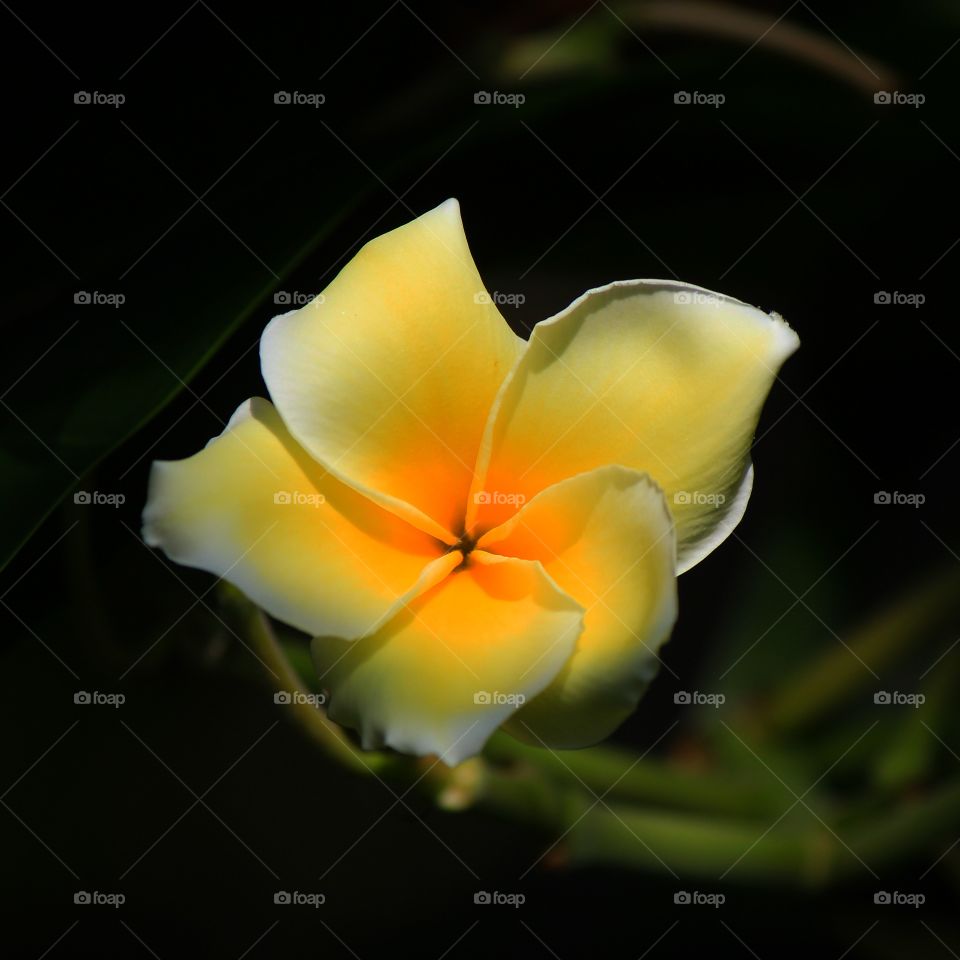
<point x="199" y="198"/>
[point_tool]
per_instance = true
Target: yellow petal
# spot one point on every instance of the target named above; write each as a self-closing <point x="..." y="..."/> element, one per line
<point x="387" y="378"/>
<point x="654" y="375"/>
<point x="255" y="509"/>
<point x="447" y="670"/>
<point x="606" y="539"/>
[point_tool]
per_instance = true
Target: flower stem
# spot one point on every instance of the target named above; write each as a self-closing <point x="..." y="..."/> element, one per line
<point x="606" y="807"/>
<point x="252" y="624"/>
<point x="608" y="769"/>
<point x="810" y="695"/>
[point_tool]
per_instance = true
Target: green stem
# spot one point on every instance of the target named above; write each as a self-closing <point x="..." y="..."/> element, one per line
<point x="560" y="796"/>
<point x="912" y="827"/>
<point x="583" y="831"/>
<point x="800" y="851"/>
<point x="252" y="624"/>
<point x="694" y="846"/>
<point x="809" y="695"/>
<point x="911" y="753"/>
<point x="607" y="770"/>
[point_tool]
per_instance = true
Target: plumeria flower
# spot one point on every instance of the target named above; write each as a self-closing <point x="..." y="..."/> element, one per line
<point x="477" y="530"/>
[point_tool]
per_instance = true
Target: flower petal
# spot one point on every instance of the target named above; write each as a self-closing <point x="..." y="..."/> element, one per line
<point x="606" y="538"/>
<point x="654" y="375"/>
<point x="387" y="378"/>
<point x="255" y="509"/>
<point x="446" y="671"/>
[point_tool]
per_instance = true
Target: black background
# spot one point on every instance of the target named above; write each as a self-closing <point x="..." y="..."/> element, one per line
<point x="200" y="197"/>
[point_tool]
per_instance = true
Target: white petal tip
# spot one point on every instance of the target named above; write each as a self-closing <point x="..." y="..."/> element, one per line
<point x="450" y="207"/>
<point x="787" y="339"/>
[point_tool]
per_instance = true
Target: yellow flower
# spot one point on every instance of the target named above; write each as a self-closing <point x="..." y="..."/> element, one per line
<point x="478" y="531"/>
